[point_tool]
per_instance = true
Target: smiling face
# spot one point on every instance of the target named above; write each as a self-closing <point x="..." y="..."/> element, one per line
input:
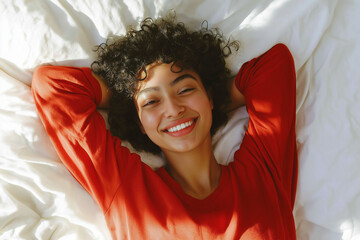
<point x="174" y="109"/>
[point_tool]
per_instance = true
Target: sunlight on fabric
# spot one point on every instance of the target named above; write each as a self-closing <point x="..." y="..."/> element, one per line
<point x="136" y="8"/>
<point x="349" y="230"/>
<point x="259" y="17"/>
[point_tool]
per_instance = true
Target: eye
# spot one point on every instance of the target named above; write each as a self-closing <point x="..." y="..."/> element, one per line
<point x="149" y="103"/>
<point x="186" y="90"/>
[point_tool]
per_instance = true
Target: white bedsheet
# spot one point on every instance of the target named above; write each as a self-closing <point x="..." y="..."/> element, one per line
<point x="39" y="199"/>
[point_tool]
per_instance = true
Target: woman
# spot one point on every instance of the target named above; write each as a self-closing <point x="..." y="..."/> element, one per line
<point x="166" y="89"/>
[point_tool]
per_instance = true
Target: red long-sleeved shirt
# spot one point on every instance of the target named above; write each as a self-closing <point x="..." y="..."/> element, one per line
<point x="255" y="196"/>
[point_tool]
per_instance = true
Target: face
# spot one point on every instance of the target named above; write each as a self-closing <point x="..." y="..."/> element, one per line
<point x="174" y="109"/>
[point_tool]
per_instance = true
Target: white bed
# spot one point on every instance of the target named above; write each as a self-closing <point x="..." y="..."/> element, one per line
<point x="39" y="199"/>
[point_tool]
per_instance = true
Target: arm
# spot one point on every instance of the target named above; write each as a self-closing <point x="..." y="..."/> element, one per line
<point x="66" y="99"/>
<point x="268" y="84"/>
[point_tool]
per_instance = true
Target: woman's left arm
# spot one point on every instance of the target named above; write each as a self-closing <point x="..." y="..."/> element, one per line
<point x="268" y="84"/>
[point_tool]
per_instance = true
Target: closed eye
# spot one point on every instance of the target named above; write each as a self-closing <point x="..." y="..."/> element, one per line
<point x="186" y="90"/>
<point x="149" y="103"/>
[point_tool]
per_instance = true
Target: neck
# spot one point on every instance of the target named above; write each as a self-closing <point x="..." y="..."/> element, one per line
<point x="196" y="171"/>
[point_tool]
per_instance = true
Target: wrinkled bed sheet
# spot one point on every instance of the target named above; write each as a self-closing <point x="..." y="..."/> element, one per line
<point x="39" y="199"/>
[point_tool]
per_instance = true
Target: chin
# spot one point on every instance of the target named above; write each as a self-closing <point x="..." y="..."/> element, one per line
<point x="187" y="146"/>
<point x="178" y="148"/>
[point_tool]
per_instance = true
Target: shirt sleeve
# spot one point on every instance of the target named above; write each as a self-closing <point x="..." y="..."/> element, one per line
<point x="66" y="99"/>
<point x="268" y="83"/>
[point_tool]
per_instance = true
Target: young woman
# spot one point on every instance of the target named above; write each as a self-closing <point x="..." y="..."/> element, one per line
<point x="166" y="89"/>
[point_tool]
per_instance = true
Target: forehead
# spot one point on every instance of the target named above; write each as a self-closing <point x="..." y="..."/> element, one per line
<point x="160" y="73"/>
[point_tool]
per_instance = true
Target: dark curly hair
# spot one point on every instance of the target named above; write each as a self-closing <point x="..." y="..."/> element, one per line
<point x="164" y="40"/>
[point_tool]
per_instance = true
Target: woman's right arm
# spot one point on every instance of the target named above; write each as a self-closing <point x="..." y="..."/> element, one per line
<point x="66" y="99"/>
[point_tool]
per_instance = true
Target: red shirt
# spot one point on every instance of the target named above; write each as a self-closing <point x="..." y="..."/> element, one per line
<point x="255" y="196"/>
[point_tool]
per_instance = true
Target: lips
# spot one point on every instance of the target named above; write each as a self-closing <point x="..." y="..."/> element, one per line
<point x="180" y="127"/>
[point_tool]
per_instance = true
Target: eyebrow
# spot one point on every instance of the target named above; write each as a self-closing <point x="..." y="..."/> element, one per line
<point x="173" y="82"/>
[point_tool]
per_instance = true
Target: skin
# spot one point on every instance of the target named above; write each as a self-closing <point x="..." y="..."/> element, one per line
<point x="105" y="93"/>
<point x="165" y="99"/>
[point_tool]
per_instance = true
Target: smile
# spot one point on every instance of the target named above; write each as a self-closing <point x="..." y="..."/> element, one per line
<point x="180" y="126"/>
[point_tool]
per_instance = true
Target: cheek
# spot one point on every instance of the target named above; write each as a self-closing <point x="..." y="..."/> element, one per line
<point x="149" y="120"/>
<point x="201" y="103"/>
<point x="204" y="107"/>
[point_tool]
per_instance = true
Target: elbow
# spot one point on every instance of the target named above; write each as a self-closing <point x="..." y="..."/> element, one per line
<point x="41" y="81"/>
<point x="40" y="75"/>
<point x="285" y="54"/>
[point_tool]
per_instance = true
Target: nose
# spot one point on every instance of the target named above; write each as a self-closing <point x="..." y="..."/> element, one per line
<point x="174" y="108"/>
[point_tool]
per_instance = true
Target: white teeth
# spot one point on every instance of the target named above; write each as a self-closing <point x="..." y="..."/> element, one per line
<point x="181" y="126"/>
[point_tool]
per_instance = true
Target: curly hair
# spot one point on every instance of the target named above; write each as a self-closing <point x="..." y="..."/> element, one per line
<point x="163" y="40"/>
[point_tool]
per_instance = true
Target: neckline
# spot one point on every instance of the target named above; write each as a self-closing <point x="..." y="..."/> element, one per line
<point x="186" y="198"/>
